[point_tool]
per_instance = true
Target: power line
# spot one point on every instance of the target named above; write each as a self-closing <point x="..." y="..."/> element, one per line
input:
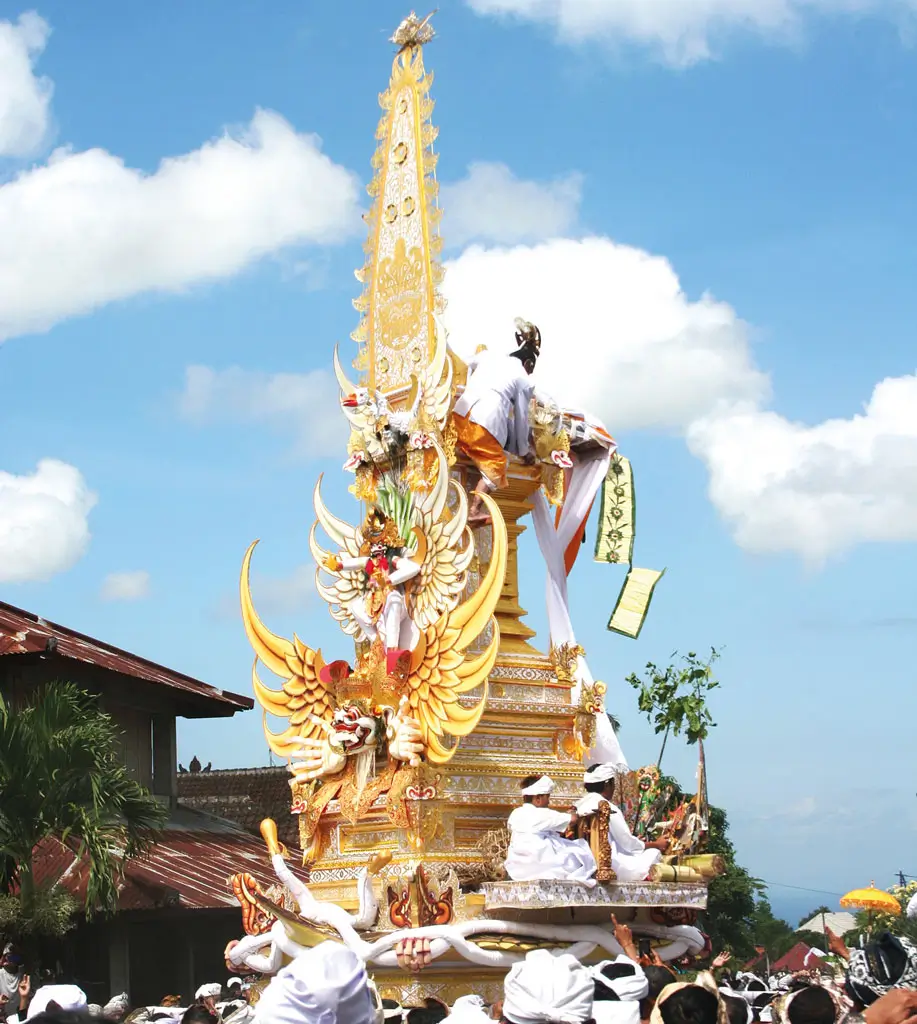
<point x="802" y="888"/>
<point x="826" y="892"/>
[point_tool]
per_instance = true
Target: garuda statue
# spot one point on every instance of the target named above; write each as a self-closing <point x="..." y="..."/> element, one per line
<point x="399" y="585"/>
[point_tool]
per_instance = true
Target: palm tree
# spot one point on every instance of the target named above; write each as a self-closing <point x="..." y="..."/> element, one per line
<point x="61" y="778"/>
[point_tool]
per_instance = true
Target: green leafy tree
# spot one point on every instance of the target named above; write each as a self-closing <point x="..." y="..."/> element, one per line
<point x="61" y="778"/>
<point x="674" y="699"/>
<point x="732" y="917"/>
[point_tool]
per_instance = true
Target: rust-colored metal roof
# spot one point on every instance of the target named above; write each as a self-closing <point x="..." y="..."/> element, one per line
<point x="185" y="868"/>
<point x="21" y="632"/>
<point x="797" y="959"/>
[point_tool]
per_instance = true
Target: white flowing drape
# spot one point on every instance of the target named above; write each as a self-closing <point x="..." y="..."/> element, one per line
<point x="554" y="538"/>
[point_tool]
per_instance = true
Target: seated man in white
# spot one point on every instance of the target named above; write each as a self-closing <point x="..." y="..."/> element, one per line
<point x="537" y="850"/>
<point x="631" y="858"/>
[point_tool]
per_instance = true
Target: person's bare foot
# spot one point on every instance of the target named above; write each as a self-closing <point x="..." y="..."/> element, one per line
<point x="480" y="518"/>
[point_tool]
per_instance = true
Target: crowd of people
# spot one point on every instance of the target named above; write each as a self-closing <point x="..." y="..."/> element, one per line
<point x="875" y="983"/>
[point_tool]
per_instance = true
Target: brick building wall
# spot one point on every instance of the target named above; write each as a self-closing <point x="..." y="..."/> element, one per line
<point x="243" y="795"/>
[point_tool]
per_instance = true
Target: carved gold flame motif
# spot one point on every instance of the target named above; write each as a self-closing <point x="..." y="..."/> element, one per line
<point x="397" y="333"/>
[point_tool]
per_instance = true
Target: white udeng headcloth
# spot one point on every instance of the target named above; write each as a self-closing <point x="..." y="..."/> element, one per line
<point x="67" y="997"/>
<point x="468" y="1010"/>
<point x="629" y="986"/>
<point x="212" y="990"/>
<point x="545" y="988"/>
<point x="603" y="772"/>
<point x="327" y="985"/>
<point x="541" y="787"/>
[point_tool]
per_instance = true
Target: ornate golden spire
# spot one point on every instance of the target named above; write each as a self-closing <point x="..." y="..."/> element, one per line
<point x="397" y="332"/>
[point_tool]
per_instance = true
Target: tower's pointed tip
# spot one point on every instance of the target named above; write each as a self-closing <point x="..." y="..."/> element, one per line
<point x="413" y="31"/>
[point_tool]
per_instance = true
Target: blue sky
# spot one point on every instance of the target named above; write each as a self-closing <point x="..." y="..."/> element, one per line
<point x="744" y="185"/>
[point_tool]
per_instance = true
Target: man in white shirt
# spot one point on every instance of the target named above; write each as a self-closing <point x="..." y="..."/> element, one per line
<point x="631" y="858"/>
<point x="492" y="415"/>
<point x="537" y="850"/>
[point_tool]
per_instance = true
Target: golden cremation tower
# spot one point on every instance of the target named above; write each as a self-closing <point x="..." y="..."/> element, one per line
<point x="406" y="764"/>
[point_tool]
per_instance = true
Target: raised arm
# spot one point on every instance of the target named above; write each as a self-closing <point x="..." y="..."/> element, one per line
<point x="404" y="570"/>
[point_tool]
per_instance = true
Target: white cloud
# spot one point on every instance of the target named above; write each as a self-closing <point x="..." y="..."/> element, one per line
<point x="304" y="404"/>
<point x="126" y="586"/>
<point x="816" y="490"/>
<point x="620" y="336"/>
<point x="682" y="32"/>
<point x="492" y="205"/>
<point x="84" y="229"/>
<point x="43" y="521"/>
<point x="279" y="595"/>
<point x="24" y="97"/>
<point x="621" y="339"/>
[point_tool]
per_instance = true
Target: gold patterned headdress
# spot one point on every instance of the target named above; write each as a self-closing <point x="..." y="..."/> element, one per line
<point x="378" y="528"/>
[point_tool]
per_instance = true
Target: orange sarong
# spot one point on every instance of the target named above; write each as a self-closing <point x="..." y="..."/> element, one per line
<point x="482" y="448"/>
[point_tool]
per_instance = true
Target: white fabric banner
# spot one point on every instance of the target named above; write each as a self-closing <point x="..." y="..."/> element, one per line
<point x="585" y="480"/>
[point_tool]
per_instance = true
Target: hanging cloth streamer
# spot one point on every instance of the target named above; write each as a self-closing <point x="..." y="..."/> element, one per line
<point x="614" y="541"/>
<point x="554" y="536"/>
<point x="634" y="602"/>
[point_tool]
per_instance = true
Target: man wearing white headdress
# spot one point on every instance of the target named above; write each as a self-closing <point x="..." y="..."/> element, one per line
<point x="468" y="1010"/>
<point x="631" y="858"/>
<point x="536" y="848"/>
<point x="548" y="989"/>
<point x="326" y="985"/>
<point x="620" y="984"/>
<point x="57" y="997"/>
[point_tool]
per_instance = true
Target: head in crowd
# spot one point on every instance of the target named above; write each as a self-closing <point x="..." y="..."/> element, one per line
<point x="393" y="1012"/>
<point x="207" y="995"/>
<point x="469" y="1010"/>
<point x="656" y="980"/>
<point x="198" y="1013"/>
<point x="537" y="789"/>
<point x="689" y="1004"/>
<point x="546" y="989"/>
<point x="889" y="962"/>
<point x="328" y="983"/>
<point x="808" y="1005"/>
<point x="53" y="998"/>
<point x="432" y="1012"/>
<point x="619" y="980"/>
<point x="11" y="959"/>
<point x="59" y="1016"/>
<point x="737" y="1009"/>
<point x="601" y="779"/>
<point x="619" y="986"/>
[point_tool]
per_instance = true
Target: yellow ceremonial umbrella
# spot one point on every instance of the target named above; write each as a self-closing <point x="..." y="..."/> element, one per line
<point x="872" y="899"/>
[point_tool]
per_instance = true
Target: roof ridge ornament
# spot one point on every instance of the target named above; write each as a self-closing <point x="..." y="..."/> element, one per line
<point x="413" y="32"/>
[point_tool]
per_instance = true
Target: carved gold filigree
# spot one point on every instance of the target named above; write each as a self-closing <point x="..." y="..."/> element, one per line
<point x="564" y="658"/>
<point x="601" y="844"/>
<point x="402" y="274"/>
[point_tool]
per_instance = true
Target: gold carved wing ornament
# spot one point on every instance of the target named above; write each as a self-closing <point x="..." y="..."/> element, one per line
<point x="441" y="671"/>
<point x="303" y="698"/>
